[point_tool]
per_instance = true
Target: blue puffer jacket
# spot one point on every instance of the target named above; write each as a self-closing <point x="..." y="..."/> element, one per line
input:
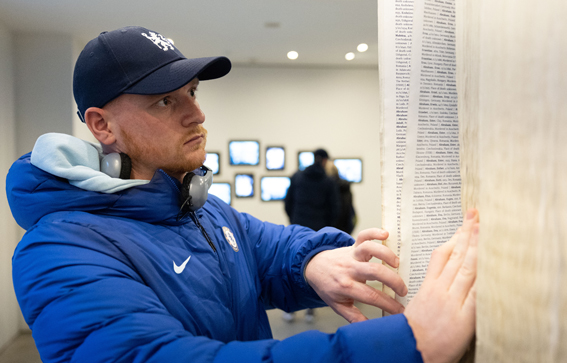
<point x="115" y="277"/>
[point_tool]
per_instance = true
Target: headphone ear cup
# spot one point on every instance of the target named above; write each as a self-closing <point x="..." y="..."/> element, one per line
<point x="208" y="177"/>
<point x="199" y="190"/>
<point x="185" y="189"/>
<point x="116" y="165"/>
<point x="195" y="189"/>
<point x="126" y="168"/>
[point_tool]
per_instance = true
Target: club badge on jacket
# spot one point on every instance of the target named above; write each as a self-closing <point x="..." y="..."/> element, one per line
<point x="230" y="238"/>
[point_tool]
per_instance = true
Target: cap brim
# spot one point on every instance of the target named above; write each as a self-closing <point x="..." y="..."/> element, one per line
<point x="178" y="73"/>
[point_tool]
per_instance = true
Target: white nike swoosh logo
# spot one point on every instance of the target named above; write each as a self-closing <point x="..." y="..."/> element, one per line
<point x="179" y="269"/>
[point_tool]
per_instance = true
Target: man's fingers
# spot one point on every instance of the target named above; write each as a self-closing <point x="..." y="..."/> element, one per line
<point x="466" y="275"/>
<point x="370" y="296"/>
<point x="470" y="302"/>
<point x="378" y="272"/>
<point x="370" y="234"/>
<point x="350" y="312"/>
<point x="440" y="256"/>
<point x="459" y="252"/>
<point x="365" y="251"/>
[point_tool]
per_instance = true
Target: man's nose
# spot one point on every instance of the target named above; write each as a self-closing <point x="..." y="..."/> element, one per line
<point x="192" y="113"/>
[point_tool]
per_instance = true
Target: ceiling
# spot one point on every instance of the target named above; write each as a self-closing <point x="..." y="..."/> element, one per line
<point x="256" y="32"/>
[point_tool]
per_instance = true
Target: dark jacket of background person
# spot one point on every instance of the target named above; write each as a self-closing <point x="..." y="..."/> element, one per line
<point x="312" y="199"/>
<point x="346" y="221"/>
<point x="347" y="216"/>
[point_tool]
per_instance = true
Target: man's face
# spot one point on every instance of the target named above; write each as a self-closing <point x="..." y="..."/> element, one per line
<point x="160" y="131"/>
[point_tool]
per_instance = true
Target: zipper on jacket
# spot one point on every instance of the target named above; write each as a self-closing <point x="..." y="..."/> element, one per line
<point x="194" y="217"/>
<point x="196" y="220"/>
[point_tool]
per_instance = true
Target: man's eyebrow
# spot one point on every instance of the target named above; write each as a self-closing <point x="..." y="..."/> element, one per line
<point x="193" y="83"/>
<point x="158" y="96"/>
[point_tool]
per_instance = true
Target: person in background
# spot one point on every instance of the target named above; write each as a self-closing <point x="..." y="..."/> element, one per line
<point x="312" y="201"/>
<point x="126" y="259"/>
<point x="346" y="221"/>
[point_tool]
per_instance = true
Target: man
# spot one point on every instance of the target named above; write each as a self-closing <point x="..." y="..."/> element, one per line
<point x="144" y="268"/>
<point x="312" y="199"/>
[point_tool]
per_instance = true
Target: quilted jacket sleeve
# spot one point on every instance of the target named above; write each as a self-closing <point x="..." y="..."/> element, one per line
<point x="281" y="255"/>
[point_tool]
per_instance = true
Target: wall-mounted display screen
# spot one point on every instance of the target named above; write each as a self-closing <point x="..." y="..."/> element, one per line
<point x="213" y="162"/>
<point x="349" y="169"/>
<point x="244" y="152"/>
<point x="274" y="187"/>
<point x="244" y="185"/>
<point x="222" y="190"/>
<point x="275" y="158"/>
<point x="305" y="158"/>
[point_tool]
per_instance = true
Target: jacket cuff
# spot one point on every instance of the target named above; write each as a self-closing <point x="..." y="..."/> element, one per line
<point x="394" y="340"/>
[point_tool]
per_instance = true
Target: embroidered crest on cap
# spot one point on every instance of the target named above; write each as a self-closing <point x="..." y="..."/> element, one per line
<point x="230" y="238"/>
<point x="159" y="40"/>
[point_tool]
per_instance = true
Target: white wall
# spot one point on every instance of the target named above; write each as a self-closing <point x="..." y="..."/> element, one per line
<point x="301" y="109"/>
<point x="43" y="72"/>
<point x="35" y="98"/>
<point x="9" y="310"/>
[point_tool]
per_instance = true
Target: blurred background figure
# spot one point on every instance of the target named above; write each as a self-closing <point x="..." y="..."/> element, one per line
<point x="312" y="201"/>
<point x="346" y="221"/>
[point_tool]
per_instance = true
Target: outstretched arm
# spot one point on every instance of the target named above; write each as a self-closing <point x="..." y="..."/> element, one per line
<point x="441" y="315"/>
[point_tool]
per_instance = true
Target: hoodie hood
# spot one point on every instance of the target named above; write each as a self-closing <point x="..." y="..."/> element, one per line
<point x="78" y="161"/>
<point x="62" y="173"/>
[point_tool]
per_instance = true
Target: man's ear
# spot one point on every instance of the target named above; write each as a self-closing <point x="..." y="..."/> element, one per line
<point x="97" y="121"/>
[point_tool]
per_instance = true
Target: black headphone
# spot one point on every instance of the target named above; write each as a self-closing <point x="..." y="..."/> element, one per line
<point x="195" y="189"/>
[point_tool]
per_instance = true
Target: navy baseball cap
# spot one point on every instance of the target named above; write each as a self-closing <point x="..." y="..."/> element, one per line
<point x="136" y="60"/>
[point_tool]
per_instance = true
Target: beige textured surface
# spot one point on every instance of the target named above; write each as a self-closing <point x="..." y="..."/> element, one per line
<point x="520" y="116"/>
<point x="468" y="27"/>
<point x="467" y="48"/>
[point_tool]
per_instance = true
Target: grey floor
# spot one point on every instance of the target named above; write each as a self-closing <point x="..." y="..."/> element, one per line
<point x="22" y="349"/>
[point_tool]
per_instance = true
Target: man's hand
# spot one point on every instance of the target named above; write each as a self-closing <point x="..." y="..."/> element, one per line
<point x="339" y="276"/>
<point x="442" y="313"/>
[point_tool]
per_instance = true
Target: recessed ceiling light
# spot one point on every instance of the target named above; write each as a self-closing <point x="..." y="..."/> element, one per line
<point x="292" y="55"/>
<point x="349" y="56"/>
<point x="363" y="47"/>
<point x="171" y="41"/>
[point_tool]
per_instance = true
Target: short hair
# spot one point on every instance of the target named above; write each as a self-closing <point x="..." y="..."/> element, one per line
<point x="320" y="155"/>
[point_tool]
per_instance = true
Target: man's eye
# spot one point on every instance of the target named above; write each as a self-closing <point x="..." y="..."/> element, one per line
<point x="193" y="92"/>
<point x="164" y="102"/>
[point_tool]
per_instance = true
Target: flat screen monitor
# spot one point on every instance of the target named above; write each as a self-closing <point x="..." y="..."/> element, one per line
<point x="274" y="187"/>
<point x="244" y="152"/>
<point x="349" y="169"/>
<point x="275" y="158"/>
<point x="305" y="158"/>
<point x="222" y="190"/>
<point x="213" y="162"/>
<point x="244" y="185"/>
